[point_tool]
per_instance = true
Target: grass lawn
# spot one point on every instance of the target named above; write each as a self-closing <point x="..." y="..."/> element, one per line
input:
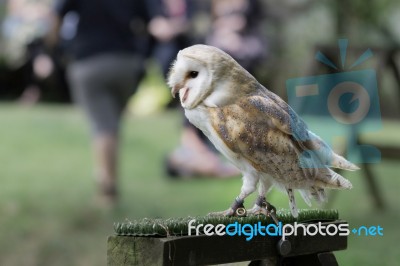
<point x="48" y="215"/>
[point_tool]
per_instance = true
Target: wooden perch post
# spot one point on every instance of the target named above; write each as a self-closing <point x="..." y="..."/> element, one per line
<point x="211" y="250"/>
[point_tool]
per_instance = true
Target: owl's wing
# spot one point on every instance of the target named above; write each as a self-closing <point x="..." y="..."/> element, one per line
<point x="269" y="123"/>
<point x="286" y="119"/>
<point x="281" y="115"/>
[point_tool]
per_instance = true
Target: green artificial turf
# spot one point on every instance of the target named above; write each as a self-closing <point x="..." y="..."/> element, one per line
<point x="179" y="226"/>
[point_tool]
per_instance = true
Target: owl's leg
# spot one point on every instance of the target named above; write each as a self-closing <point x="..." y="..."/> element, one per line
<point x="237" y="207"/>
<point x="260" y="206"/>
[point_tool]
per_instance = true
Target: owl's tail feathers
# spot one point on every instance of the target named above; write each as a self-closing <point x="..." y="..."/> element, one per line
<point x="306" y="195"/>
<point x="317" y="193"/>
<point x="341" y="163"/>
<point x="326" y="179"/>
<point x="331" y="179"/>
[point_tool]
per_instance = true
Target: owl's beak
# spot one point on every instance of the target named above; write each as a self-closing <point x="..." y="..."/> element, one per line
<point x="183" y="92"/>
<point x="175" y="90"/>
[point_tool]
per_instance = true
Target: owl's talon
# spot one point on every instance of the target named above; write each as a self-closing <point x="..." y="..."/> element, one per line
<point x="263" y="207"/>
<point x="259" y="207"/>
<point x="258" y="210"/>
<point x="227" y="213"/>
<point x="270" y="207"/>
<point x="272" y="212"/>
<point x="237" y="209"/>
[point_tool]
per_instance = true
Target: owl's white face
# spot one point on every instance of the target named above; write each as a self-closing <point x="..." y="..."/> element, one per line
<point x="192" y="79"/>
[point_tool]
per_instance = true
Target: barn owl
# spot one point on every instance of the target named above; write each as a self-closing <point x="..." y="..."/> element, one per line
<point x="255" y="129"/>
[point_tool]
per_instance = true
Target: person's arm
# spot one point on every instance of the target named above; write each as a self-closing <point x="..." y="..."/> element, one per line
<point x="164" y="27"/>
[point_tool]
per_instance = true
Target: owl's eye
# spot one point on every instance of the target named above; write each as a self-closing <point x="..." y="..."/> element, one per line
<point x="193" y="74"/>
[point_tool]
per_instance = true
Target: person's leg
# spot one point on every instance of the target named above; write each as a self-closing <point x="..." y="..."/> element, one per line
<point x="89" y="91"/>
<point x="105" y="147"/>
<point x="123" y="76"/>
<point x="101" y="86"/>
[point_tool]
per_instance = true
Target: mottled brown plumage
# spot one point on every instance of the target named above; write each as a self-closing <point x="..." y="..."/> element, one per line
<point x="253" y="128"/>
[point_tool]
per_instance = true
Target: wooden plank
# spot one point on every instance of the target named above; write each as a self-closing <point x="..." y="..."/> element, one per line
<point x="124" y="251"/>
<point x="209" y="250"/>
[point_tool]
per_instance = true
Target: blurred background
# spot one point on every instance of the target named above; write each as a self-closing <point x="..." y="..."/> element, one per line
<point x="49" y="214"/>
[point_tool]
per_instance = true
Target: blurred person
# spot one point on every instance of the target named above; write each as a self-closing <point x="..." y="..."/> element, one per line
<point x="106" y="63"/>
<point x="171" y="32"/>
<point x="236" y="30"/>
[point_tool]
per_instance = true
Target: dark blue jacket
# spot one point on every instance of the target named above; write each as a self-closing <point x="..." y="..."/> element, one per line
<point x="108" y="25"/>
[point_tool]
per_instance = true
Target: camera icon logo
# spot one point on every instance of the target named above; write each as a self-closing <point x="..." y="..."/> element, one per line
<point x="359" y="93"/>
<point x="340" y="105"/>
